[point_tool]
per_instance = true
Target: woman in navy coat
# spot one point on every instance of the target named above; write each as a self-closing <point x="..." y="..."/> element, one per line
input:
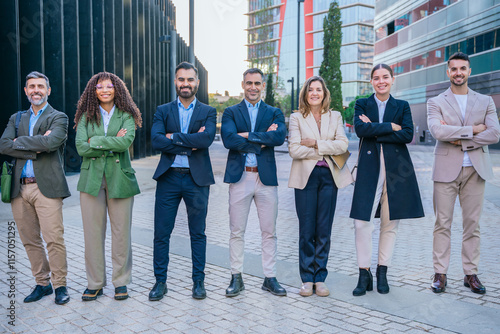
<point x="386" y="185"/>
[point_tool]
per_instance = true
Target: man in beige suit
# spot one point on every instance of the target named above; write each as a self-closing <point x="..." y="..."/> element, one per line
<point x="463" y="123"/>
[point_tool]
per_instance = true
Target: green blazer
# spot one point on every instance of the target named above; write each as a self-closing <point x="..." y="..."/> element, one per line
<point x="107" y="156"/>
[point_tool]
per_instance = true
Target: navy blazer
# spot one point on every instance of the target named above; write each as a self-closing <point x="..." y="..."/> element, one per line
<point x="236" y="119"/>
<point x="166" y="120"/>
<point x="402" y="188"/>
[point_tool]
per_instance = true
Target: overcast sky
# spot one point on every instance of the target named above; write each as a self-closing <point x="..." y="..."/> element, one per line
<point x="220" y="40"/>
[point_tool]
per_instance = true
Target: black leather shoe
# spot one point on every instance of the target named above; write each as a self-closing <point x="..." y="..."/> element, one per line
<point x="439" y="283"/>
<point x="89" y="295"/>
<point x="472" y="282"/>
<point x="382" y="284"/>
<point x="62" y="296"/>
<point x="271" y="284"/>
<point x="158" y="291"/>
<point x="236" y="286"/>
<point x="121" y="293"/>
<point x="365" y="282"/>
<point x="38" y="292"/>
<point x="199" y="290"/>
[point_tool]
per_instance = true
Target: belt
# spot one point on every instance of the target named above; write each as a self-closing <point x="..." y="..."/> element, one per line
<point x="182" y="170"/>
<point x="28" y="180"/>
<point x="251" y="169"/>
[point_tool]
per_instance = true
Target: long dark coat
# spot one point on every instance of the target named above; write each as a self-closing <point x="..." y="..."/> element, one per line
<point x="402" y="188"/>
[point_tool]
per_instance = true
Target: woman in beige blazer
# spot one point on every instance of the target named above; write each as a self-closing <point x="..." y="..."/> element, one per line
<point x="316" y="133"/>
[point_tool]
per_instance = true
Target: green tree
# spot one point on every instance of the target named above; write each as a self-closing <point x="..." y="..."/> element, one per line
<point x="330" y="66"/>
<point x="269" y="99"/>
<point x="349" y="111"/>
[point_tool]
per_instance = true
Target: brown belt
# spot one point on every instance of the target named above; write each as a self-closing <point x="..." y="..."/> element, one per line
<point x="28" y="180"/>
<point x="251" y="169"/>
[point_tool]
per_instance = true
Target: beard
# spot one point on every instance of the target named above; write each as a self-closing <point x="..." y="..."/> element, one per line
<point x="39" y="102"/>
<point x="464" y="81"/>
<point x="186" y="94"/>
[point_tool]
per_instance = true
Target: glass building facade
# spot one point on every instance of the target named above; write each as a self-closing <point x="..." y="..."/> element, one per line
<point x="272" y="40"/>
<point x="417" y="38"/>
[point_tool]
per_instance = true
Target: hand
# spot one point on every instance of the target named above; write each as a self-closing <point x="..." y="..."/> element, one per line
<point x="442" y="122"/>
<point x="14" y="139"/>
<point x="478" y="128"/>
<point x="169" y="135"/>
<point x="456" y="142"/>
<point x="122" y="132"/>
<point x="243" y="134"/>
<point x="47" y="132"/>
<point x="201" y="129"/>
<point x="364" y="118"/>
<point x="396" y="127"/>
<point x="88" y="141"/>
<point x="308" y="142"/>
<point x="273" y="127"/>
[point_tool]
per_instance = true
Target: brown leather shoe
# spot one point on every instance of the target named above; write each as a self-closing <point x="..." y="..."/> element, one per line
<point x="472" y="282"/>
<point x="439" y="283"/>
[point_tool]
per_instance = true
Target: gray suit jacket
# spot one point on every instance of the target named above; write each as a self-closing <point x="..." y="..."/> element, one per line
<point x="449" y="157"/>
<point x="49" y="163"/>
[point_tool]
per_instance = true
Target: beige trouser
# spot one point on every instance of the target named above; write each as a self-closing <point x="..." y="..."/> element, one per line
<point x="34" y="214"/>
<point x="388" y="228"/>
<point x="94" y="230"/>
<point x="469" y="187"/>
<point x="266" y="200"/>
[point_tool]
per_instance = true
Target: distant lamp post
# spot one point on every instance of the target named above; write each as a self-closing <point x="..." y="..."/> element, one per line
<point x="298" y="50"/>
<point x="291" y="98"/>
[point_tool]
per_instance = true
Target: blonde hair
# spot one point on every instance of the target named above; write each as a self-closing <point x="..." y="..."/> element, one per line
<point x="304" y="106"/>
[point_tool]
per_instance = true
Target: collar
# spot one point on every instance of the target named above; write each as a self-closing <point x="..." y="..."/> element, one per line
<point x="249" y="105"/>
<point x="32" y="113"/>
<point x="104" y="112"/>
<point x="191" y="106"/>
<point x="380" y="103"/>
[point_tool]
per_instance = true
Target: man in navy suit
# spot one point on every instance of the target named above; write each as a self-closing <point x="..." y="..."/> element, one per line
<point x="182" y="130"/>
<point x="251" y="130"/>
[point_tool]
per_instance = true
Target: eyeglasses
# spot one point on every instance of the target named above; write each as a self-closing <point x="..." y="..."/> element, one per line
<point x="101" y="87"/>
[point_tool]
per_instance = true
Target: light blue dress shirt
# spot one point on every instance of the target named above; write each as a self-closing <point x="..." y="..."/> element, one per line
<point x="106" y="117"/>
<point x="28" y="167"/>
<point x="251" y="159"/>
<point x="184" y="117"/>
<point x="381" y="108"/>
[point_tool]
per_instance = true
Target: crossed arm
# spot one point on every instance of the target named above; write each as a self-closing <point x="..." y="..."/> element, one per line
<point x="24" y="146"/>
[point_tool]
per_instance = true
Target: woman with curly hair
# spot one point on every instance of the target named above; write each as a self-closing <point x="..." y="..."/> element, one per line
<point x="105" y="121"/>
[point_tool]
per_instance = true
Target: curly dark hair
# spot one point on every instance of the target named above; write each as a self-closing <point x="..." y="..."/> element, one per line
<point x="89" y="103"/>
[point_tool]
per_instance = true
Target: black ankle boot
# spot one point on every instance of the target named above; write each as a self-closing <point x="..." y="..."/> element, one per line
<point x="365" y="282"/>
<point x="382" y="285"/>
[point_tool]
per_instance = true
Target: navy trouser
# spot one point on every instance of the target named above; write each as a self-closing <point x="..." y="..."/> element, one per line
<point x="170" y="189"/>
<point x="315" y="205"/>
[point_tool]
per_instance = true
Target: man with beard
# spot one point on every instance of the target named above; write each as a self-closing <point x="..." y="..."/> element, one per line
<point x="37" y="140"/>
<point x="182" y="130"/>
<point x="463" y="123"/>
<point x="250" y="130"/>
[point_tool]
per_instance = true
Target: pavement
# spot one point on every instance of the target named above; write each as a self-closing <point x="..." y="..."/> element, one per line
<point x="410" y="307"/>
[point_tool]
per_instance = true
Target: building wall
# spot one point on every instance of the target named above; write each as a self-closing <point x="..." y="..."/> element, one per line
<point x="357" y="41"/>
<point x="70" y="41"/>
<point x="417" y="49"/>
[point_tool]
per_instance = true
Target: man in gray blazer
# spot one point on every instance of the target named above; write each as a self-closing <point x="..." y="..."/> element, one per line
<point x="39" y="186"/>
<point x="463" y="123"/>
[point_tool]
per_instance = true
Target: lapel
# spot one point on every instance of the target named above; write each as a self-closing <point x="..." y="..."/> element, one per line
<point x="391" y="108"/>
<point x="24" y="124"/>
<point x="325" y="124"/>
<point x="311" y="123"/>
<point x="372" y="109"/>
<point x="174" y="110"/>
<point x="471" y="101"/>
<point x="260" y="114"/>
<point x="194" y="116"/>
<point x="450" y="99"/>
<point x="246" y="116"/>
<point x="115" y="123"/>
<point x="42" y="118"/>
